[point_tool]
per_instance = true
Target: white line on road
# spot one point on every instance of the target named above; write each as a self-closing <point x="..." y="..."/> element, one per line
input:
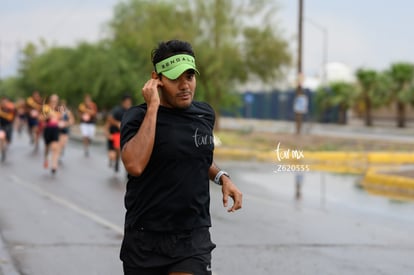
<point x="59" y="200"/>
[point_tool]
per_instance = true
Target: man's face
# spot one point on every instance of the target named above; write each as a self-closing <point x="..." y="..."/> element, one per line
<point x="178" y="93"/>
<point x="36" y="96"/>
<point x="88" y="99"/>
<point x="54" y="100"/>
<point x="127" y="103"/>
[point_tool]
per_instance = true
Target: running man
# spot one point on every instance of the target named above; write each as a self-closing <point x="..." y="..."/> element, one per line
<point x="112" y="129"/>
<point x="167" y="149"/>
<point x="50" y="116"/>
<point x="87" y="111"/>
<point x="66" y="120"/>
<point x="34" y="105"/>
<point x="7" y="115"/>
<point x="21" y="115"/>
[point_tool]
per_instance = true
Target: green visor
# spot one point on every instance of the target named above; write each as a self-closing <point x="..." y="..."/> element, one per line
<point x="175" y="65"/>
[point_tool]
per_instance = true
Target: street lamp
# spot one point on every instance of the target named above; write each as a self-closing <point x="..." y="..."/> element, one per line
<point x="324" y="47"/>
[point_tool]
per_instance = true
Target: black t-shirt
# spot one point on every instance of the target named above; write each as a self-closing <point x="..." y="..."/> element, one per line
<point x="172" y="193"/>
<point x="117" y="113"/>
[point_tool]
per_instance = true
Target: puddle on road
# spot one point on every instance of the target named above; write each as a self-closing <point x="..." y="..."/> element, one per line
<point x="323" y="190"/>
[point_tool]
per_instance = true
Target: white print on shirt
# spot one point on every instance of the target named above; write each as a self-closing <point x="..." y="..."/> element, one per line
<point x="202" y="139"/>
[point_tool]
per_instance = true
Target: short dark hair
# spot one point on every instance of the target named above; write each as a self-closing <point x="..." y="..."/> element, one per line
<point x="170" y="48"/>
<point x="126" y="97"/>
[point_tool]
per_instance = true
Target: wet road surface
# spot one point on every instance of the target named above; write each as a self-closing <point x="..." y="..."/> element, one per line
<point x="71" y="223"/>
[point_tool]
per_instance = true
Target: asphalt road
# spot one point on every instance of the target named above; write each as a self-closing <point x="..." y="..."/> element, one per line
<point x="71" y="223"/>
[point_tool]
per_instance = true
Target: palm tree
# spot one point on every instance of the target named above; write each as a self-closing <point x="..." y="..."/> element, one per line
<point x="401" y="76"/>
<point x="344" y="96"/>
<point x="374" y="91"/>
<point x="367" y="80"/>
<point x="339" y="94"/>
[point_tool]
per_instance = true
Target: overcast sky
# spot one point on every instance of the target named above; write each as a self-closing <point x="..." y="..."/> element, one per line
<point x="361" y="33"/>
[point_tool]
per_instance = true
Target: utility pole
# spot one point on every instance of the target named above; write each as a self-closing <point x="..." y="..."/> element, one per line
<point x="299" y="91"/>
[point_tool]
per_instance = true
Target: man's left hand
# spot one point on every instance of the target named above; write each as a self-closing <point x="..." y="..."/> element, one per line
<point x="229" y="189"/>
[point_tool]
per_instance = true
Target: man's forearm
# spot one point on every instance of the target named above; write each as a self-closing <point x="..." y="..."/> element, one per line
<point x="137" y="151"/>
<point x="212" y="171"/>
<point x="113" y="122"/>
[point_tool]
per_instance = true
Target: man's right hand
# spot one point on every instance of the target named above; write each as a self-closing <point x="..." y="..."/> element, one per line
<point x="136" y="153"/>
<point x="150" y="92"/>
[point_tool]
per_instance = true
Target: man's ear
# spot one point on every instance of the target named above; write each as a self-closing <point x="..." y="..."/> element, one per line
<point x="154" y="75"/>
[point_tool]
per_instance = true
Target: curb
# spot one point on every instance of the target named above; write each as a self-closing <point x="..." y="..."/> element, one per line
<point x="373" y="179"/>
<point x="362" y="157"/>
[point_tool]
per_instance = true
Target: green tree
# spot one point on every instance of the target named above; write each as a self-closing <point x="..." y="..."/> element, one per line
<point x="373" y="90"/>
<point x="401" y="76"/>
<point x="26" y="73"/>
<point x="367" y="81"/>
<point x="97" y="69"/>
<point x="10" y="87"/>
<point x="342" y="95"/>
<point x="229" y="50"/>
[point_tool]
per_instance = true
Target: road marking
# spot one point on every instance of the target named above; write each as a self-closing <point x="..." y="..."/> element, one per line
<point x="59" y="200"/>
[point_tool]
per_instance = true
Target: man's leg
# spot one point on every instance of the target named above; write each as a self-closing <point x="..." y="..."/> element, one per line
<point x="86" y="146"/>
<point x="3" y="144"/>
<point x="85" y="137"/>
<point x="37" y="132"/>
<point x="55" y="148"/>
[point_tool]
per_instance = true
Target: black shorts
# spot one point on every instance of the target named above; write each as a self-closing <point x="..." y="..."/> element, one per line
<point x="160" y="253"/>
<point x="64" y="131"/>
<point x="32" y="122"/>
<point x="197" y="265"/>
<point x="110" y="145"/>
<point x="51" y="134"/>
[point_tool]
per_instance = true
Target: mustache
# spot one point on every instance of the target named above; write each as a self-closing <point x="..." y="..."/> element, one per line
<point x="184" y="93"/>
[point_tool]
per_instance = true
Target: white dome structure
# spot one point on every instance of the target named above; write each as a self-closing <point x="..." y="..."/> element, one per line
<point x="336" y="71"/>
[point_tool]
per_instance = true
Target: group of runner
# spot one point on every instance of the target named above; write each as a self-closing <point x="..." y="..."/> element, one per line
<point x="50" y="118"/>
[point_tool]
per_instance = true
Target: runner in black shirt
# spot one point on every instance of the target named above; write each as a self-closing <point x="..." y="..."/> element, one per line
<point x="113" y="126"/>
<point x="167" y="149"/>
